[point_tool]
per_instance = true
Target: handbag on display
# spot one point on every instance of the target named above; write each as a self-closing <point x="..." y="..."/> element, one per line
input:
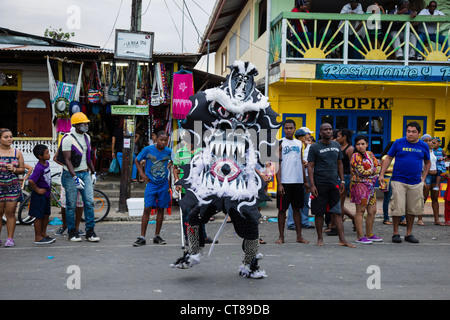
<point x="95" y="93"/>
<point x="114" y="87"/>
<point x="156" y="97"/>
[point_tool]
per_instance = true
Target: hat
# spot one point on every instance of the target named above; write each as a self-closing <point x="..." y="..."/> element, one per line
<point x="300" y="132"/>
<point x="74" y="107"/>
<point x="306" y="129"/>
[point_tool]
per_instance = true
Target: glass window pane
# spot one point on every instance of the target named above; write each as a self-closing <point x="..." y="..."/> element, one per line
<point x="376" y="145"/>
<point x="328" y="119"/>
<point x="341" y="122"/>
<point x="377" y="125"/>
<point x="362" y="125"/>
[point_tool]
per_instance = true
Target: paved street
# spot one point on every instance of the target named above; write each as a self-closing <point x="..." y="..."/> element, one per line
<point x="113" y="269"/>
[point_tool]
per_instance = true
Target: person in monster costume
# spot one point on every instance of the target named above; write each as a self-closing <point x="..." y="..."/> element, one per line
<point x="235" y="127"/>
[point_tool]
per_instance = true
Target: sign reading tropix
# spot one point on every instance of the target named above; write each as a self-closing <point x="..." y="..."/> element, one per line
<point x="134" y="45"/>
<point x="382" y="72"/>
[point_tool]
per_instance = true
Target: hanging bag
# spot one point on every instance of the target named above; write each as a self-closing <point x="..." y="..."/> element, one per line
<point x="156" y="95"/>
<point x="114" y="88"/>
<point x="95" y="87"/>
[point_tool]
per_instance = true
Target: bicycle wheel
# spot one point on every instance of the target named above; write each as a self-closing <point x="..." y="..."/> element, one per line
<point x="22" y="214"/>
<point x="102" y="206"/>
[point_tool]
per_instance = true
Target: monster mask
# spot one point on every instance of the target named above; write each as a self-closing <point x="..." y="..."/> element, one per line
<point x="235" y="127"/>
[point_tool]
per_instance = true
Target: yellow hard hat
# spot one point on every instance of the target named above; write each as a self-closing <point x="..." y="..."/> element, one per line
<point x="79" y="117"/>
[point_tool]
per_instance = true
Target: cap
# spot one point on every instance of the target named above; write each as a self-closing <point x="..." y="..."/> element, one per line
<point x="300" y="132"/>
<point x="306" y="129"/>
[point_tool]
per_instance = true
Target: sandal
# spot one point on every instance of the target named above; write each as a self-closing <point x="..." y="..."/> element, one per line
<point x="261" y="241"/>
<point x="387" y="222"/>
<point x="438" y="223"/>
<point x="420" y="223"/>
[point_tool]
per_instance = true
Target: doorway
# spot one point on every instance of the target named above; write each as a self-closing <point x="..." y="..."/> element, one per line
<point x="375" y="124"/>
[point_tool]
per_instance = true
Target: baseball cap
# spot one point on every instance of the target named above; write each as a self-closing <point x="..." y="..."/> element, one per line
<point x="300" y="132"/>
<point x="306" y="129"/>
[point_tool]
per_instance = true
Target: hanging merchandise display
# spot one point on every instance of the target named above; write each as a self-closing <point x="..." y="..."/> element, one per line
<point x="114" y="87"/>
<point x="95" y="94"/>
<point x="62" y="94"/>
<point x="182" y="89"/>
<point x="157" y="95"/>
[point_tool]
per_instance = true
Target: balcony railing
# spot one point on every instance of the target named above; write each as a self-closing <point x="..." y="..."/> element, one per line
<point x="357" y="38"/>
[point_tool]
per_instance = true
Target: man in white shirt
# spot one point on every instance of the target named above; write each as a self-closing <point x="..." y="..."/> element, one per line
<point x="430" y="10"/>
<point x="290" y="181"/>
<point x="353" y="7"/>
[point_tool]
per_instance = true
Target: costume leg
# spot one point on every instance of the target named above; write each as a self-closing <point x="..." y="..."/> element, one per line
<point x="191" y="257"/>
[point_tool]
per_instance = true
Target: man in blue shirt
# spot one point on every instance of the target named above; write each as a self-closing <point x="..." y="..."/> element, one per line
<point x="157" y="158"/>
<point x="412" y="163"/>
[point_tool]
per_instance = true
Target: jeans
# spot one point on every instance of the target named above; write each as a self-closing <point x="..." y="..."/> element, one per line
<point x="424" y="38"/>
<point x="87" y="194"/>
<point x="134" y="171"/>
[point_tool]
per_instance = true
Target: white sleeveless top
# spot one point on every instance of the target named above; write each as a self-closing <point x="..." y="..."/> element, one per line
<point x="291" y="164"/>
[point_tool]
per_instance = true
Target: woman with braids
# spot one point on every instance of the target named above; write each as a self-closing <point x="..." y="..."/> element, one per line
<point x="11" y="165"/>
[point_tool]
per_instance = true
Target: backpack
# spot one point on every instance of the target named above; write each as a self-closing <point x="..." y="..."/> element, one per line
<point x="76" y="152"/>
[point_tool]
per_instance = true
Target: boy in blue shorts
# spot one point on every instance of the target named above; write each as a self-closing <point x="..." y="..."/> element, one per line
<point x="157" y="158"/>
<point x="40" y="182"/>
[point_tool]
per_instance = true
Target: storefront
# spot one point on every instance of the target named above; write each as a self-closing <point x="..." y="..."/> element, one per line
<point x="379" y="109"/>
<point x="38" y="93"/>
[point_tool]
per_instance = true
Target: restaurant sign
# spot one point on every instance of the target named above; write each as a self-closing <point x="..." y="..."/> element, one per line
<point x="382" y="72"/>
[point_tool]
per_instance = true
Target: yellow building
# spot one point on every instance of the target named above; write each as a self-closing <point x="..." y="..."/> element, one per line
<point x="319" y="71"/>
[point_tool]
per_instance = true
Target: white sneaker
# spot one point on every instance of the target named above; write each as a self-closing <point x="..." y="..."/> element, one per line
<point x="74" y="237"/>
<point x="436" y="188"/>
<point x="91" y="236"/>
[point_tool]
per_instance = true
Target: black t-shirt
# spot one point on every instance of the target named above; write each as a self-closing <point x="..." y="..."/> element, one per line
<point x="325" y="158"/>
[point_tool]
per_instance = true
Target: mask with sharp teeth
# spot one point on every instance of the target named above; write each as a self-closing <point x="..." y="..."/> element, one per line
<point x="227" y="122"/>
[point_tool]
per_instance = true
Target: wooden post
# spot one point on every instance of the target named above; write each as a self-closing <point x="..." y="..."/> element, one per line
<point x="127" y="153"/>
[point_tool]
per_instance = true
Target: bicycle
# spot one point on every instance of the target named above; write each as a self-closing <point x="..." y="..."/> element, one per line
<point x="102" y="205"/>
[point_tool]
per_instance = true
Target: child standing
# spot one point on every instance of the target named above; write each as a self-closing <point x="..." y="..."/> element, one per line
<point x="157" y="158"/>
<point x="40" y="183"/>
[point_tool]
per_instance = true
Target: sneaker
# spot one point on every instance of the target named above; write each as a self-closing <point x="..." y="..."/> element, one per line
<point x="60" y="231"/>
<point x="139" y="242"/>
<point x="209" y="240"/>
<point x="46" y="240"/>
<point x="363" y="240"/>
<point x="158" y="240"/>
<point x="396" y="238"/>
<point x="411" y="239"/>
<point x="74" y="236"/>
<point x="91" y="236"/>
<point x="436" y="188"/>
<point x="374" y="238"/>
<point x="81" y="232"/>
<point x="9" y="243"/>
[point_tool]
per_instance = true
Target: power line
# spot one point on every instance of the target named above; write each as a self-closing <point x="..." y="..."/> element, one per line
<point x="174" y="24"/>
<point x="114" y="26"/>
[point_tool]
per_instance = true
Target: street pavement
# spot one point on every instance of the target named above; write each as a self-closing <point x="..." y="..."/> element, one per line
<point x="113" y="269"/>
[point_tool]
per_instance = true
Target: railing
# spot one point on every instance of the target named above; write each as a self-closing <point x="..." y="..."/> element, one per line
<point x="380" y="38"/>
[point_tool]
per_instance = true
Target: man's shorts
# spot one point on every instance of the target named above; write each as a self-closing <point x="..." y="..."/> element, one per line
<point x="328" y="200"/>
<point x="157" y="195"/>
<point x="39" y="205"/>
<point x="406" y="199"/>
<point x="62" y="199"/>
<point x="293" y="195"/>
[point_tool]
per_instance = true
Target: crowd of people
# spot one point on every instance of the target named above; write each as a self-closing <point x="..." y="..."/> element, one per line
<point x="334" y="169"/>
<point x="356" y="42"/>
<point x="313" y="177"/>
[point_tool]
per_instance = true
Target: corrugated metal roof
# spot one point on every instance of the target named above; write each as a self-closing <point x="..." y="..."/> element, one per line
<point x="224" y="15"/>
<point x="34" y="48"/>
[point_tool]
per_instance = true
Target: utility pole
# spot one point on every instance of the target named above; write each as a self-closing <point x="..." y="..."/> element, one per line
<point x="130" y="121"/>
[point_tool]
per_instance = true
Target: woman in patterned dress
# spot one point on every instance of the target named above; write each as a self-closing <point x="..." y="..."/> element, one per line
<point x="365" y="169"/>
<point x="11" y="165"/>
